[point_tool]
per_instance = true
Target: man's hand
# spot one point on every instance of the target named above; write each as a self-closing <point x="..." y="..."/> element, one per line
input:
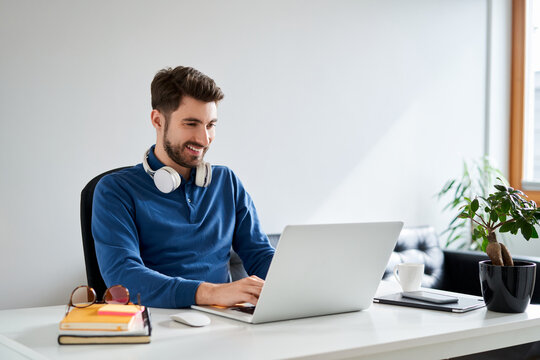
<point x="244" y="290"/>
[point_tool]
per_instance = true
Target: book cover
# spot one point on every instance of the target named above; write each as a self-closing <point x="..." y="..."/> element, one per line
<point x="140" y="333"/>
<point x="88" y="319"/>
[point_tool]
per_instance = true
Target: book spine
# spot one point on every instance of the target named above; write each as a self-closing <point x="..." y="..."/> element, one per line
<point x="92" y="340"/>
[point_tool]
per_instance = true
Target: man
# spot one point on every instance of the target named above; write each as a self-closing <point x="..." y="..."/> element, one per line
<point x="173" y="247"/>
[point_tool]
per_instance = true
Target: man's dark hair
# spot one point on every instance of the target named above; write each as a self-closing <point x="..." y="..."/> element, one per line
<point x="171" y="85"/>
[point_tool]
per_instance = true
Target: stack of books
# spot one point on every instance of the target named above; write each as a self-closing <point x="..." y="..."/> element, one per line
<point x="106" y="324"/>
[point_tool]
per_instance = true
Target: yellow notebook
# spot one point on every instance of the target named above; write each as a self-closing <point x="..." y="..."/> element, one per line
<point x="88" y="319"/>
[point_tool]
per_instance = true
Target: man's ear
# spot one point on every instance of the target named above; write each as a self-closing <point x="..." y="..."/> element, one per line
<point x="158" y="120"/>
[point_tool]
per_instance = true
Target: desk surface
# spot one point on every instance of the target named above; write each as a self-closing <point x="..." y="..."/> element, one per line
<point x="381" y="332"/>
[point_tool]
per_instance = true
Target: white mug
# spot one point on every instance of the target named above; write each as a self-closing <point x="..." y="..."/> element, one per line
<point x="409" y="275"/>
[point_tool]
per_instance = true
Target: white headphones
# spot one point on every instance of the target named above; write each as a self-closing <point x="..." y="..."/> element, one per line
<point x="167" y="179"/>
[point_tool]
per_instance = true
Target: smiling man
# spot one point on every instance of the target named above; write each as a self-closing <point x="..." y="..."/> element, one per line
<point x="164" y="228"/>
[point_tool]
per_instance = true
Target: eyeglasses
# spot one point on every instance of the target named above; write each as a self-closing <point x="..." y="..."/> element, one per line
<point x="84" y="296"/>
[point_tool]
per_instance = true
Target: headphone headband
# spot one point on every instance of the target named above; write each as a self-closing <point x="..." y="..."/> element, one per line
<point x="167" y="179"/>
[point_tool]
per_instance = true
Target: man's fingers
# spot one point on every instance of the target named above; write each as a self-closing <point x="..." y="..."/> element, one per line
<point x="252" y="299"/>
<point x="253" y="282"/>
<point x="256" y="278"/>
<point x="253" y="290"/>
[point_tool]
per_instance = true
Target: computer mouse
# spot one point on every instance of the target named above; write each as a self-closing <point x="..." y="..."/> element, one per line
<point x="191" y="318"/>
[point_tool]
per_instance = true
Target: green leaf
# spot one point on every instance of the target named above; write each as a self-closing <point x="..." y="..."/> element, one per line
<point x="507" y="227"/>
<point x="501" y="188"/>
<point x="474" y="205"/>
<point x="515" y="228"/>
<point x="446" y="187"/>
<point x="505" y="206"/>
<point x="484" y="244"/>
<point x="534" y="233"/>
<point x="454" y="220"/>
<point x="459" y="191"/>
<point x="452" y="240"/>
<point x="494" y="217"/>
<point x="502" y="218"/>
<point x="526" y="230"/>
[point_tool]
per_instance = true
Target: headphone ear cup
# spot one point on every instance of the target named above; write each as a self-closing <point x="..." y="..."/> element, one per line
<point x="167" y="179"/>
<point x="204" y="175"/>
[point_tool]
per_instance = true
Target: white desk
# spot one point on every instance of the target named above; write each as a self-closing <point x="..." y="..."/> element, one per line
<point x="381" y="332"/>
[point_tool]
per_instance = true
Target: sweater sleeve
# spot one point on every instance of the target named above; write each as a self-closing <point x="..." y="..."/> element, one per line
<point x="117" y="249"/>
<point x="249" y="241"/>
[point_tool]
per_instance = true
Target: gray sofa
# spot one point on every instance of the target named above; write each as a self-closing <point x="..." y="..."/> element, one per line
<point x="451" y="270"/>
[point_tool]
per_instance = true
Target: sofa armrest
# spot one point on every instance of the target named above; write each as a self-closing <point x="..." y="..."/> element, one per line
<point x="461" y="272"/>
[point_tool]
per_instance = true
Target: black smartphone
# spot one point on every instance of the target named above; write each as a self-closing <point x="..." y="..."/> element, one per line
<point x="430" y="297"/>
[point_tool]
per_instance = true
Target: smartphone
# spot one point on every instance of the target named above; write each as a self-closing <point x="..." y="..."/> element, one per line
<point x="430" y="297"/>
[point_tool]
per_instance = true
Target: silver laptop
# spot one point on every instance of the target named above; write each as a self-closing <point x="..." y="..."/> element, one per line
<point x="320" y="270"/>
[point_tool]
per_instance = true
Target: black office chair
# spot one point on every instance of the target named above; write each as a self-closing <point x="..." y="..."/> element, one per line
<point x="93" y="275"/>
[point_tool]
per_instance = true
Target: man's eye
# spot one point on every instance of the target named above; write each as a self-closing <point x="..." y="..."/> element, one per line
<point x="191" y="124"/>
<point x="210" y="126"/>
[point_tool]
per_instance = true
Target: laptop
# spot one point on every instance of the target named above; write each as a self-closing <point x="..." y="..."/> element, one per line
<point x="320" y="270"/>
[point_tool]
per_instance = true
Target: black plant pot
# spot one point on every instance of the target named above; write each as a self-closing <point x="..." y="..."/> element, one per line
<point x="507" y="289"/>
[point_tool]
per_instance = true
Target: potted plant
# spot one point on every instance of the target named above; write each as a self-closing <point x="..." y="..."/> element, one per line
<point x="478" y="178"/>
<point x="507" y="286"/>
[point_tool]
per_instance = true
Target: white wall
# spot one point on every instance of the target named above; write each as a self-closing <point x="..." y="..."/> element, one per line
<point x="335" y="111"/>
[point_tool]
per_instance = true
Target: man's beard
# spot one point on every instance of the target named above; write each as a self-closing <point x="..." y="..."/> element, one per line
<point x="175" y="154"/>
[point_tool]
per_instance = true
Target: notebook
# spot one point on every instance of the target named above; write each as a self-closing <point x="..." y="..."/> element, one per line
<point x="464" y="304"/>
<point x="320" y="270"/>
<point x="88" y="319"/>
<point x="139" y="333"/>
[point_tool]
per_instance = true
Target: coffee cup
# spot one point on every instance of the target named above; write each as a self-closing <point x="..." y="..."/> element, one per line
<point x="409" y="275"/>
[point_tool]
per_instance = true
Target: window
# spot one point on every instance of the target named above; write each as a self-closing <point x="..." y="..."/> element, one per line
<point x="525" y="98"/>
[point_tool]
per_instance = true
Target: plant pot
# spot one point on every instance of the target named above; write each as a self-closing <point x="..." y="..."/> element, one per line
<point x="507" y="289"/>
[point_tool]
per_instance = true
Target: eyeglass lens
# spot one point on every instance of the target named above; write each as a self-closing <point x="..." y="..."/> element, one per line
<point x="83" y="296"/>
<point x="116" y="295"/>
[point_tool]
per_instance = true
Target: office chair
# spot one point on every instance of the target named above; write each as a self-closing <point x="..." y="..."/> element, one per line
<point x="93" y="275"/>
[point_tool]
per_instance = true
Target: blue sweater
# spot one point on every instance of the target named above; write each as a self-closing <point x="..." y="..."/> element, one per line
<point x="164" y="245"/>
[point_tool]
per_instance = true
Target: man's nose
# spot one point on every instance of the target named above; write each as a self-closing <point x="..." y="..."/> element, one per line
<point x="203" y="137"/>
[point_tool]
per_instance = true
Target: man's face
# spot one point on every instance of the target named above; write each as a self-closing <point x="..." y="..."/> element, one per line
<point x="189" y="131"/>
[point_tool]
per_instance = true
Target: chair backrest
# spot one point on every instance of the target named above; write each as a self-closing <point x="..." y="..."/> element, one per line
<point x="236" y="267"/>
<point x="93" y="275"/>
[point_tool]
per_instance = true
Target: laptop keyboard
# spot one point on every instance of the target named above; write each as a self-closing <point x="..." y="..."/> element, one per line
<point x="244" y="309"/>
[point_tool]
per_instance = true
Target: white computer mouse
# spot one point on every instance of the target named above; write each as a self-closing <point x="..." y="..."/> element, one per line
<point x="191" y="318"/>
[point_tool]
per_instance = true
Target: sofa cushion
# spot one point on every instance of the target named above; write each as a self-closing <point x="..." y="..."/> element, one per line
<point x="419" y="245"/>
